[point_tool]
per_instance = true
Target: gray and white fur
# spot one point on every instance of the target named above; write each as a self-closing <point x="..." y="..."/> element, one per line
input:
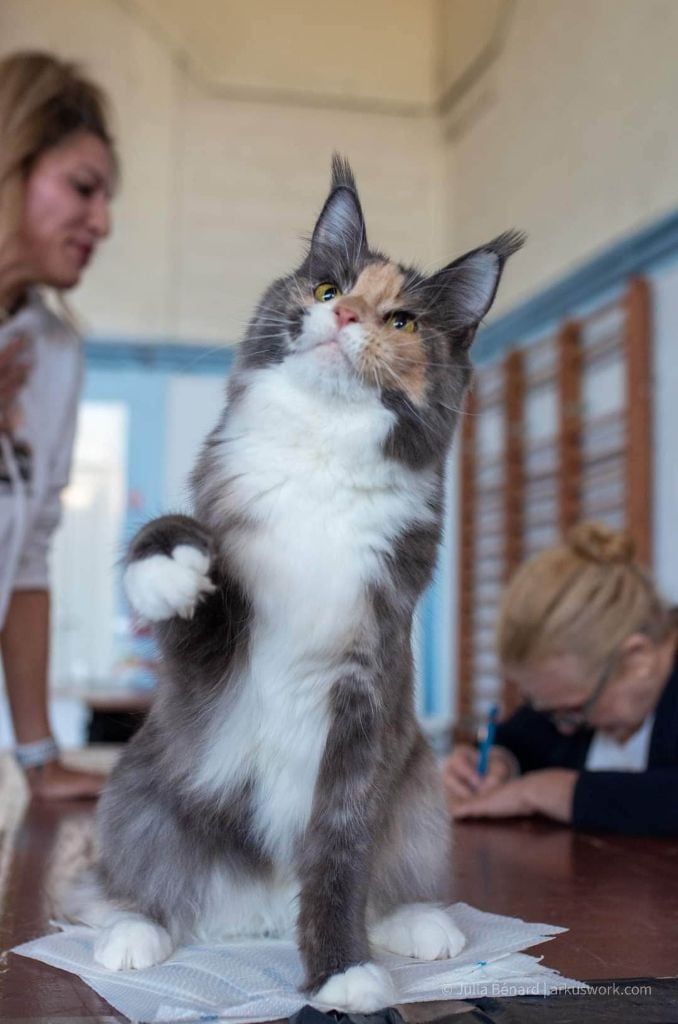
<point x="281" y="781"/>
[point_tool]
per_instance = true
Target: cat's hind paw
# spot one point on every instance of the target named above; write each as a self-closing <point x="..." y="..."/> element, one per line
<point x="419" y="930"/>
<point x="360" y="989"/>
<point x="132" y="943"/>
<point x="162" y="586"/>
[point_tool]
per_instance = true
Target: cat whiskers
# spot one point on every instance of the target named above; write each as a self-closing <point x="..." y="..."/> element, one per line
<point x="302" y="296"/>
<point x="412" y="408"/>
<point x="377" y="377"/>
<point x="402" y="387"/>
<point x="408" y="364"/>
<point x="225" y="348"/>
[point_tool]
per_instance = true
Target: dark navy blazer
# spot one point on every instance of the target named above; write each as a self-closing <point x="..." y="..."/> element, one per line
<point x="635" y="803"/>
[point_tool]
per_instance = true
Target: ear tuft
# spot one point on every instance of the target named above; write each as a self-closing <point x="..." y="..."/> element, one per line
<point x="341" y="226"/>
<point x="342" y="175"/>
<point x="469" y="284"/>
<point x="507" y="243"/>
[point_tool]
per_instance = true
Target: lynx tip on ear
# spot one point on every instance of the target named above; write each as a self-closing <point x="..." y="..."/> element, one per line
<point x="342" y="175"/>
<point x="507" y="243"/>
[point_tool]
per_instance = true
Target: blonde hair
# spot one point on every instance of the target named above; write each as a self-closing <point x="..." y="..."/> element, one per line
<point x="43" y="100"/>
<point x="585" y="596"/>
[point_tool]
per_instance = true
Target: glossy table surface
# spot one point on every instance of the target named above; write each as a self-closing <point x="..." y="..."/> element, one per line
<point x="618" y="896"/>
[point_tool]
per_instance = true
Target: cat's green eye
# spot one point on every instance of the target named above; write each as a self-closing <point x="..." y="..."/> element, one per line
<point x="326" y="291"/>
<point x="402" y="321"/>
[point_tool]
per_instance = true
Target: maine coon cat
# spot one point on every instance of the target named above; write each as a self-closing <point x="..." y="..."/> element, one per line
<point x="281" y="780"/>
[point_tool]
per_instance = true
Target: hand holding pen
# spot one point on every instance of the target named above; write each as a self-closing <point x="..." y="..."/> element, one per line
<point x="471" y="770"/>
<point x="487" y="741"/>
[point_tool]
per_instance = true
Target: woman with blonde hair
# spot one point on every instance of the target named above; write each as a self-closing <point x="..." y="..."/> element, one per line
<point x="57" y="172"/>
<point x="591" y="644"/>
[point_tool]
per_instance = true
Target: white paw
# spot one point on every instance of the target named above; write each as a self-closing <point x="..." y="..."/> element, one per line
<point x="132" y="943"/>
<point x="159" y="587"/>
<point x="419" y="930"/>
<point x="361" y="989"/>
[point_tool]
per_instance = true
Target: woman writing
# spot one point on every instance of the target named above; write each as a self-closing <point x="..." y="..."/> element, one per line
<point x="57" y="172"/>
<point x="591" y="645"/>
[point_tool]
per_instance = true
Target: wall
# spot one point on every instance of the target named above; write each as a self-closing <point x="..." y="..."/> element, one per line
<point x="253" y="179"/>
<point x="126" y="291"/>
<point x="380" y="52"/>
<point x="570" y="134"/>
<point x="665" y="301"/>
<point x="193" y="405"/>
<point x="219" y="186"/>
<point x="468" y="32"/>
<point x="462" y="117"/>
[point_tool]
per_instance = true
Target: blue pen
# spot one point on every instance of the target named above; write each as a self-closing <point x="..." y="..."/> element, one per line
<point x="488" y="740"/>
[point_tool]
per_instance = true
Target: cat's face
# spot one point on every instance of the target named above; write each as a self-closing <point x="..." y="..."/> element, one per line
<point x="361" y="329"/>
<point x="352" y="323"/>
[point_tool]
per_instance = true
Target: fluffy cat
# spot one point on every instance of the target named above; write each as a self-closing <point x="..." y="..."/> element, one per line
<point x="281" y="780"/>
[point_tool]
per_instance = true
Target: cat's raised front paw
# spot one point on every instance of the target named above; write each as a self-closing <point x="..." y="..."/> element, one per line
<point x="419" y="930"/>
<point x="361" y="989"/>
<point x="162" y="586"/>
<point x="132" y="943"/>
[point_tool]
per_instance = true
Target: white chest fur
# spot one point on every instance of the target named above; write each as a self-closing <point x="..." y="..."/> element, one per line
<point x="326" y="507"/>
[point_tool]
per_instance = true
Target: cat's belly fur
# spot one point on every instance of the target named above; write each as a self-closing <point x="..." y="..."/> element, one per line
<point x="324" y="509"/>
<point x="271" y="734"/>
<point x="309" y="605"/>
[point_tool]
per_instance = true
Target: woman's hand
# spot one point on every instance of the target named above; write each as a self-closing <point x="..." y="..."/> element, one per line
<point x="549" y="792"/>
<point x="460" y="773"/>
<point x="14" y="372"/>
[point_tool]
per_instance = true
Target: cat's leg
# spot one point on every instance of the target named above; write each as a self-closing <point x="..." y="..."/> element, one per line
<point x="124" y="940"/>
<point x="413" y="868"/>
<point x="131" y="942"/>
<point x="168" y="568"/>
<point x="232" y="904"/>
<point x="364" y="988"/>
<point x="336" y="858"/>
<point x="174" y="579"/>
<point x="420" y="930"/>
<point x="158" y="841"/>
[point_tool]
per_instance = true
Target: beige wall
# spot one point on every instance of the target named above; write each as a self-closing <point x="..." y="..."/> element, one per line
<point x="126" y="290"/>
<point x="466" y="34"/>
<point x="253" y="179"/>
<point x="571" y="135"/>
<point x="355" y="51"/>
<point x="219" y="190"/>
<point x="462" y="117"/>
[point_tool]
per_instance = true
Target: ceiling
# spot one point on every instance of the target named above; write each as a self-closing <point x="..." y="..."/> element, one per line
<point x="380" y="52"/>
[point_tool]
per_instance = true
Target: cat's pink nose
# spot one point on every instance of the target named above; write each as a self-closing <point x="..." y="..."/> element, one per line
<point x="345" y="315"/>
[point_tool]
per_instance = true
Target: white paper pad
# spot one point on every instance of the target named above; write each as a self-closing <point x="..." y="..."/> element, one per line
<point x="257" y="980"/>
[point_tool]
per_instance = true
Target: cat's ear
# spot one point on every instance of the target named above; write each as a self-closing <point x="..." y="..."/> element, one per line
<point x="464" y="290"/>
<point x="341" y="226"/>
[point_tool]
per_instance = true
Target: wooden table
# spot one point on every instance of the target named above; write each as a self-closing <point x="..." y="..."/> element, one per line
<point x="618" y="896"/>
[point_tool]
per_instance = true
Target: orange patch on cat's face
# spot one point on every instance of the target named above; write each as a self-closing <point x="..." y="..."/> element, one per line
<point x="394" y="358"/>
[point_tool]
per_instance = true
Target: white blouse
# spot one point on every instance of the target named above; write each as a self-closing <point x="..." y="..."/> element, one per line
<point x="606" y="754"/>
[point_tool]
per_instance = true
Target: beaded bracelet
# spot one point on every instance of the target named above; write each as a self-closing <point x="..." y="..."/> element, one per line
<point x="34" y="755"/>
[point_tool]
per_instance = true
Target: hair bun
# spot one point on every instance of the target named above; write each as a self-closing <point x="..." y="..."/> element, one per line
<point x="599" y="543"/>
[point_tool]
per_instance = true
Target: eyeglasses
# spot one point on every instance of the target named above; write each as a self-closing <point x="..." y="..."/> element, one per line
<point x="576" y="718"/>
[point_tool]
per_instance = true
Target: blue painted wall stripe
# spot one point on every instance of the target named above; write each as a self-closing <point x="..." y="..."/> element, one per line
<point x="634" y="254"/>
<point x="112" y="354"/>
